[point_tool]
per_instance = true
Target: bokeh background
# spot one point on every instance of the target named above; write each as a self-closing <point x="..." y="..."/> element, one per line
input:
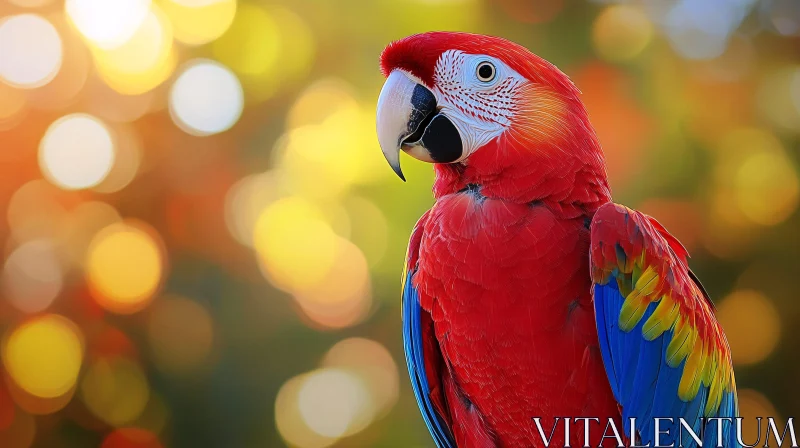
<point x="202" y="244"/>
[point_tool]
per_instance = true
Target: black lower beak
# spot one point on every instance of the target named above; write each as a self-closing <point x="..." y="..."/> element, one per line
<point x="431" y="129"/>
<point x="442" y="140"/>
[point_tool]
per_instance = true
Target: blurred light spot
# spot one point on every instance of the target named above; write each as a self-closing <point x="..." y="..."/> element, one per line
<point x="107" y="24"/>
<point x="299" y="253"/>
<point x="131" y="438"/>
<point x="32" y="276"/>
<point x="335" y="403"/>
<point x="142" y="62"/>
<point x="34" y="212"/>
<point x="319" y="101"/>
<point x="245" y="201"/>
<point x="30" y="50"/>
<point x="250" y="47"/>
<point x="699" y="29"/>
<point x="778" y="98"/>
<point x="532" y="11"/>
<point x="753" y="404"/>
<point x="767" y="188"/>
<point x="21" y="433"/>
<point x="291" y="424"/>
<point x="81" y="225"/>
<point x="621" y="32"/>
<point x="115" y="390"/>
<point x="199" y="21"/>
<point x="181" y="334"/>
<point x="296" y="247"/>
<point x="43" y="355"/>
<point x="76" y="152"/>
<point x="124" y="267"/>
<point x="206" y="98"/>
<point x="126" y="161"/>
<point x="739" y="314"/>
<point x="344" y="296"/>
<point x="373" y="363"/>
<point x="754" y="171"/>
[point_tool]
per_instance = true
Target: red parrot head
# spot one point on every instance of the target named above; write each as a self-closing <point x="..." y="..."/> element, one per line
<point x="481" y="103"/>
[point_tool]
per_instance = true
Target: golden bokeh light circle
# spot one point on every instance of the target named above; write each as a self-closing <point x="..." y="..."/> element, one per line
<point x="124" y="266"/>
<point x="752" y="325"/>
<point x="43" y="355"/>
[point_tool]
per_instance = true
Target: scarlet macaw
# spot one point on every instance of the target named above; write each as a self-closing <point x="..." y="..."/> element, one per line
<point x="528" y="296"/>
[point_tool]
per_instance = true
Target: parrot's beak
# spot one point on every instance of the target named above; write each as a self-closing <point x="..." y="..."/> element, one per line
<point x="409" y="119"/>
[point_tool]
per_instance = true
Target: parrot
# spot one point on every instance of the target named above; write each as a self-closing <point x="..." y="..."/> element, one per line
<point x="536" y="312"/>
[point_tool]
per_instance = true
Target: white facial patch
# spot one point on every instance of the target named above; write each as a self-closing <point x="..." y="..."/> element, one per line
<point x="480" y="107"/>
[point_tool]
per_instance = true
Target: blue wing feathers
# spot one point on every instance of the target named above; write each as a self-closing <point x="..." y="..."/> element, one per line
<point x="413" y="347"/>
<point x="645" y="385"/>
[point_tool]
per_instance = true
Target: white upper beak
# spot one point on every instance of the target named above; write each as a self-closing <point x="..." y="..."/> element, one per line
<point x="397" y="117"/>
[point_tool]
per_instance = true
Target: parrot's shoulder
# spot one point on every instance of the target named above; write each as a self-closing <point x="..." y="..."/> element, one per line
<point x="627" y="244"/>
<point x="634" y="229"/>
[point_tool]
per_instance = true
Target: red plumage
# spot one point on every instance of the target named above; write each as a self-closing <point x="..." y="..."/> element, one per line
<point x="513" y="319"/>
<point x="501" y="263"/>
<point x="503" y="269"/>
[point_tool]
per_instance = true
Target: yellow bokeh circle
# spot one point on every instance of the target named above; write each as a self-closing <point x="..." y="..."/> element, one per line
<point x="740" y="314"/>
<point x="297" y="248"/>
<point x="757" y="181"/>
<point x="621" y="32"/>
<point x="43" y="355"/>
<point x="124" y="267"/>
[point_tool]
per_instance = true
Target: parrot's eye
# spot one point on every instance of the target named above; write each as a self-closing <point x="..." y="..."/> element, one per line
<point x="486" y="71"/>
